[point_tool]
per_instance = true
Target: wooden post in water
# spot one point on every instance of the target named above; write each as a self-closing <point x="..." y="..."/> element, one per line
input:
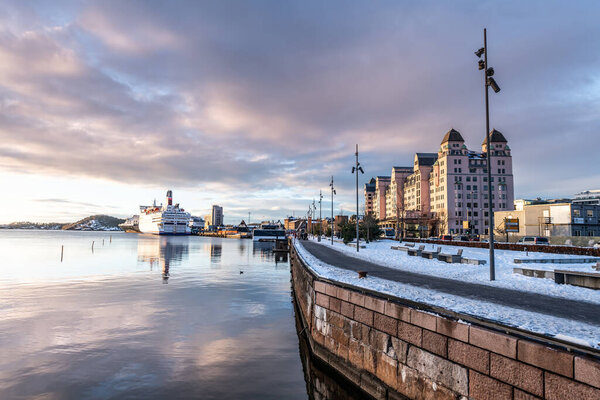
<point x="92" y="246"/>
<point x="62" y="250"/>
<point x="102" y="242"/>
<point x="110" y="239"/>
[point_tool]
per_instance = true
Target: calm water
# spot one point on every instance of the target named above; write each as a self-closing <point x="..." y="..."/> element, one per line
<point x="145" y="317"/>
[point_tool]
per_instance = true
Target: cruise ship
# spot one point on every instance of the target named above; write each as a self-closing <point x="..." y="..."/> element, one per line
<point x="166" y="219"/>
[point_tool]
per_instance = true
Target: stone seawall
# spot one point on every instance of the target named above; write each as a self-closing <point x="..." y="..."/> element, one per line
<point x="392" y="350"/>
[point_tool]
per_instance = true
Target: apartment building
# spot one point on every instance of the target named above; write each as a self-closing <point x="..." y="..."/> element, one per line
<point x="369" y="196"/>
<point x="450" y="186"/>
<point x="381" y="184"/>
<point x="394" y="194"/>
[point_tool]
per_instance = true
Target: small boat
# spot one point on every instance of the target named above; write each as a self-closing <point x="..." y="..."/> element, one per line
<point x="268" y="233"/>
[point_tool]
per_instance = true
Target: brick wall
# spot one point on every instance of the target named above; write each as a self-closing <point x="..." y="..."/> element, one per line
<point x="392" y="350"/>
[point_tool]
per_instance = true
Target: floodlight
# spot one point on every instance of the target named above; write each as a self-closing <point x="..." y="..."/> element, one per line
<point x="492" y="83"/>
<point x="479" y="52"/>
<point x="490" y="71"/>
<point x="361" y="170"/>
<point x="481" y="64"/>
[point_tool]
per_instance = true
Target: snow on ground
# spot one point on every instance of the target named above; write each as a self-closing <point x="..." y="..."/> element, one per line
<point x="560" y="328"/>
<point x="379" y="252"/>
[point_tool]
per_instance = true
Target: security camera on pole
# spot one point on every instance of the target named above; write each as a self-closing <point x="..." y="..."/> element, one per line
<point x="488" y="82"/>
<point x="355" y="169"/>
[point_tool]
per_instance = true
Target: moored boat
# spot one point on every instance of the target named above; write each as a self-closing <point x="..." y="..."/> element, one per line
<point x="167" y="219"/>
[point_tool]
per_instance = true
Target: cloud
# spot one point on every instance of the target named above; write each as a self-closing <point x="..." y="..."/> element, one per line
<point x="273" y="96"/>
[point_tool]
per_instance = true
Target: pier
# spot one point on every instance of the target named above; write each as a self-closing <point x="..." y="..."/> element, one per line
<point x="392" y="347"/>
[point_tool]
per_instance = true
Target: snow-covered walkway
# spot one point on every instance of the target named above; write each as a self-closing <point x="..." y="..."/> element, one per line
<point x="567" y="323"/>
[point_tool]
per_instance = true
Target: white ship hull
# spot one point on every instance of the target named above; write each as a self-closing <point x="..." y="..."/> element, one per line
<point x="164" y="220"/>
<point x="160" y="224"/>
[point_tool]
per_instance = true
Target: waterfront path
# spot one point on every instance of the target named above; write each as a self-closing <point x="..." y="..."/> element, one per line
<point x="534" y="302"/>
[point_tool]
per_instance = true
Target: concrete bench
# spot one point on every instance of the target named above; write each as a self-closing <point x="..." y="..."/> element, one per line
<point x="589" y="280"/>
<point x="473" y="261"/>
<point x="555" y="260"/>
<point x="401" y="248"/>
<point x="416" y="252"/>
<point x="534" y="273"/>
<point x="431" y="254"/>
<point x="451" y="258"/>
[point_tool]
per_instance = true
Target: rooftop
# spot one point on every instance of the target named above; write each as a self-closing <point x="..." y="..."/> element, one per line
<point x="453" y="136"/>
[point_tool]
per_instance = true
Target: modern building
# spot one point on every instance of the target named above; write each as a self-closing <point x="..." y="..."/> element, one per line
<point x="447" y="191"/>
<point x="217" y="215"/>
<point x="553" y="219"/>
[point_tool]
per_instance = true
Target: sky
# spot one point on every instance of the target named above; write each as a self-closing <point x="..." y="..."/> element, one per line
<point x="104" y="105"/>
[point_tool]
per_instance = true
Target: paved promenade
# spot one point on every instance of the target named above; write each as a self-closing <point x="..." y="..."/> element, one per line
<point x="558" y="307"/>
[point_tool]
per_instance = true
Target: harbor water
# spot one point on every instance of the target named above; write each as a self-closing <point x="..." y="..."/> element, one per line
<point x="141" y="316"/>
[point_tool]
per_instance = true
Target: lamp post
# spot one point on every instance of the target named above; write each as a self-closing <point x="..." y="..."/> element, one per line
<point x="488" y="82"/>
<point x="320" y="217"/>
<point x="332" y="222"/>
<point x="314" y="207"/>
<point x="355" y="169"/>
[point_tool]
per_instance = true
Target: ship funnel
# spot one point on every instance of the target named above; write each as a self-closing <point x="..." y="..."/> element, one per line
<point x="169" y="198"/>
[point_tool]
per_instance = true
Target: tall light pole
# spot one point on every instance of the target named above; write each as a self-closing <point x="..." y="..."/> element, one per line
<point x="314" y="207"/>
<point x="355" y="170"/>
<point x="332" y="193"/>
<point x="320" y="217"/>
<point x="488" y="81"/>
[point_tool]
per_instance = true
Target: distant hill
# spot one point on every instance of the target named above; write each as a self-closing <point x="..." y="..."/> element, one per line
<point x="95" y="223"/>
<point x="91" y="223"/>
<point x="49" y="226"/>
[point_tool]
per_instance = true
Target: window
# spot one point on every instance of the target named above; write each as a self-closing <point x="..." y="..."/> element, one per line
<point x="590" y="213"/>
<point x="576" y="213"/>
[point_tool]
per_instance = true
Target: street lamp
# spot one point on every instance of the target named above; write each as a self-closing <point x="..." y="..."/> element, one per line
<point x="488" y="82"/>
<point x="332" y="223"/>
<point x="355" y="169"/>
<point x="320" y="217"/>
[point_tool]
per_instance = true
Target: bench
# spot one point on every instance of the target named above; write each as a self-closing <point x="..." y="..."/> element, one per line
<point x="589" y="280"/>
<point x="416" y="252"/>
<point x="431" y="254"/>
<point x="534" y="273"/>
<point x="451" y="258"/>
<point x="401" y="248"/>
<point x="473" y="261"/>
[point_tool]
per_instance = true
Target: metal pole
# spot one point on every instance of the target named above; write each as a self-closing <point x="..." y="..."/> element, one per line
<point x="357" y="235"/>
<point x="320" y="217"/>
<point x="332" y="223"/>
<point x="489" y="162"/>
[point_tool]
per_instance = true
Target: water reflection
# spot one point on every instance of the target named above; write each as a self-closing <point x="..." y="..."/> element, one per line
<point x="162" y="251"/>
<point x="264" y="250"/>
<point x="216" y="250"/>
<point x="106" y="330"/>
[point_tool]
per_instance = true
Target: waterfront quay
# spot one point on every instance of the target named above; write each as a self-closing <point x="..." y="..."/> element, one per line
<point x="389" y="338"/>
